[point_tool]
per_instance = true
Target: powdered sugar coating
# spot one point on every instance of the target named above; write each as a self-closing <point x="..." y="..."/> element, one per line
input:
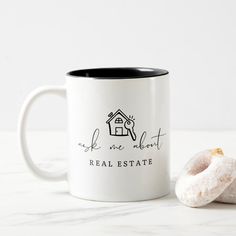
<point x="205" y="177"/>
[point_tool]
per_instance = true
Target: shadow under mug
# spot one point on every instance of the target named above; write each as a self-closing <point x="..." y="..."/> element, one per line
<point x="118" y="131"/>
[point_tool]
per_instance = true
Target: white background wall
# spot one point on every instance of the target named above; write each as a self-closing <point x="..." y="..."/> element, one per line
<point x="195" y="40"/>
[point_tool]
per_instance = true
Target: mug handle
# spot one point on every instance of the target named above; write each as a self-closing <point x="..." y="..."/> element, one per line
<point x="29" y="101"/>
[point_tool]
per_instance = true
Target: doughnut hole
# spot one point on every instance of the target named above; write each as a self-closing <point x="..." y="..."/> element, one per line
<point x="200" y="165"/>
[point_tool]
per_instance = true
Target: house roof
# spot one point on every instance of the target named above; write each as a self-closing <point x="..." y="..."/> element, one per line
<point x="115" y="114"/>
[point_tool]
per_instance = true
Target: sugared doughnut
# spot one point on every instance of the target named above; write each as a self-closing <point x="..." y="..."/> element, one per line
<point x="205" y="177"/>
<point x="229" y="194"/>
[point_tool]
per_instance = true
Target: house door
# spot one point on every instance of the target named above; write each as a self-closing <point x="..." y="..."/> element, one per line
<point x="119" y="131"/>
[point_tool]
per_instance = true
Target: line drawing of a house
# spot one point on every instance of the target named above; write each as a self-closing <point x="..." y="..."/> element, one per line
<point x="116" y="123"/>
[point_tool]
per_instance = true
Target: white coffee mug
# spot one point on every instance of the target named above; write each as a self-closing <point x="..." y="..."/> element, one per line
<point x="118" y="130"/>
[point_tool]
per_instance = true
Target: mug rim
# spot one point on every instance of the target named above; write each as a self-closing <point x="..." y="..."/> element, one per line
<point x="111" y="73"/>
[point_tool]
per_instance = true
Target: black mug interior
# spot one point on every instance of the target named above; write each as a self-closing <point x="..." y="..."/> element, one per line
<point x="119" y="72"/>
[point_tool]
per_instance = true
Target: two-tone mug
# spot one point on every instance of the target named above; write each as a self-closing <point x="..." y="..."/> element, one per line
<point x="118" y="131"/>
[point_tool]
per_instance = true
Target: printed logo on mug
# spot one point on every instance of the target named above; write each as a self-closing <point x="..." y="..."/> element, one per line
<point x="118" y="129"/>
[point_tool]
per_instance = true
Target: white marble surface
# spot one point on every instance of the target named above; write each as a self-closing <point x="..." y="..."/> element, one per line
<point x="29" y="206"/>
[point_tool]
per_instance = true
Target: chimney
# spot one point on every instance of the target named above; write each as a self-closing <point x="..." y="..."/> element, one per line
<point x="110" y="114"/>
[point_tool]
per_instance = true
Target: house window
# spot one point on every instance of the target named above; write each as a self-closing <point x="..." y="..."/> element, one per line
<point x="118" y="120"/>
